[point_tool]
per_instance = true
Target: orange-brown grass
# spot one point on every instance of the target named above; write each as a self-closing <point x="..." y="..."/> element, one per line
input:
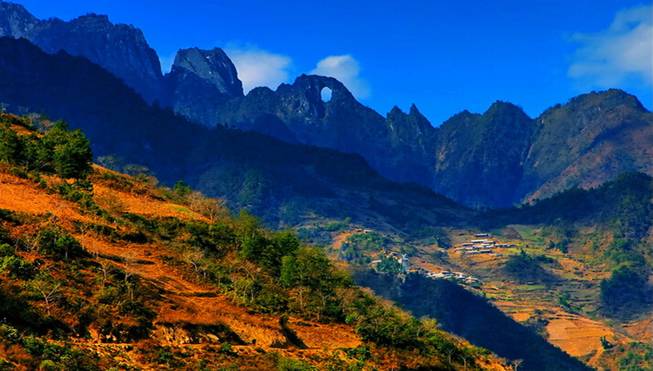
<point x="641" y="329"/>
<point x="21" y="195"/>
<point x="579" y="336"/>
<point x="191" y="302"/>
<point x="183" y="297"/>
<point x="143" y="205"/>
<point x="341" y="238"/>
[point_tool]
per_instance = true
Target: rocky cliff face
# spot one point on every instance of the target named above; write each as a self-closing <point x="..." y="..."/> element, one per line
<point x="119" y="48"/>
<point x="590" y="140"/>
<point x="199" y="82"/>
<point x="15" y="20"/>
<point x="296" y="112"/>
<point x="479" y="158"/>
<point x="494" y="159"/>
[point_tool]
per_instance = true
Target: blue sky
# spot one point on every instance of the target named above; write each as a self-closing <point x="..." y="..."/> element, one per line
<point x="444" y="57"/>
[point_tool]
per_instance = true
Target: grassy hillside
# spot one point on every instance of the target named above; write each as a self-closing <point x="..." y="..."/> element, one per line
<point x="101" y="270"/>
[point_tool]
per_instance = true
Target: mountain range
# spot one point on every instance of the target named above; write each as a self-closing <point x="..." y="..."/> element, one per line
<point x="369" y="188"/>
<point x="499" y="158"/>
<point x="281" y="182"/>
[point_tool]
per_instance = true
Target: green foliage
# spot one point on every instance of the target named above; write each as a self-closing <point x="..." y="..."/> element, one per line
<point x="14" y="265"/>
<point x="335" y="226"/>
<point x="354" y="249"/>
<point x="625" y="292"/>
<point x="526" y="268"/>
<point x="617" y="204"/>
<point x="17" y="267"/>
<point x="638" y="357"/>
<point x="64" y="152"/>
<point x="71" y="151"/>
<point x="182" y="189"/>
<point x="10" y="145"/>
<point x="266" y="249"/>
<point x="389" y="265"/>
<point x="57" y="243"/>
<point x="289" y="364"/>
<point x="57" y="357"/>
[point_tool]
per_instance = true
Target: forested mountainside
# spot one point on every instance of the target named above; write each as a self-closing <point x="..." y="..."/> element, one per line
<point x="101" y="270"/>
<point x="496" y="159"/>
<point x="574" y="268"/>
<point x="470" y="316"/>
<point x="542" y="224"/>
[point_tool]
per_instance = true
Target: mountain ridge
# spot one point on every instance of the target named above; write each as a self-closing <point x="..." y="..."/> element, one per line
<point x="520" y="162"/>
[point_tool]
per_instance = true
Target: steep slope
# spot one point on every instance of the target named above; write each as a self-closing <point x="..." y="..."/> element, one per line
<point x="199" y="82"/>
<point x="121" y="49"/>
<point x="469" y="315"/>
<point x="399" y="149"/>
<point x="592" y="247"/>
<point x="591" y="139"/>
<point x="112" y="272"/>
<point x="279" y="181"/>
<point x="496" y="159"/>
<point x="479" y="157"/>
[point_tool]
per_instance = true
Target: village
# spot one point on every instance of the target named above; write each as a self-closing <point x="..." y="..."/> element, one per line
<point x="481" y="243"/>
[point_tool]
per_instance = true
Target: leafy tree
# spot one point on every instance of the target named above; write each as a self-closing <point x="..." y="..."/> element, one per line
<point x="625" y="291"/>
<point x="55" y="242"/>
<point x="73" y="158"/>
<point x="10" y="145"/>
<point x="182" y="189"/>
<point x="524" y="268"/>
<point x="389" y="265"/>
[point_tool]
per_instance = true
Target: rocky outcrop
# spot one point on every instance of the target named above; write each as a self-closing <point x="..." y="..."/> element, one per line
<point x="398" y="148"/>
<point x="592" y="139"/>
<point x="479" y="158"/>
<point x="119" y="48"/>
<point x="199" y="82"/>
<point x="15" y="20"/>
<point x="495" y="159"/>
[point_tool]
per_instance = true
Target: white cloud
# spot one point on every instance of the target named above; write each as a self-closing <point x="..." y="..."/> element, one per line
<point x="623" y="52"/>
<point x="345" y="69"/>
<point x="258" y="67"/>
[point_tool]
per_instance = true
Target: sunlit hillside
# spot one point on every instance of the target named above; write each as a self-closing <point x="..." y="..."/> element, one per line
<point x="102" y="270"/>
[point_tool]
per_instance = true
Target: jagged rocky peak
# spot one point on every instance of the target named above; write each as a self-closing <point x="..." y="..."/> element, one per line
<point x="119" y="48"/>
<point x="213" y="66"/>
<point x="310" y="87"/>
<point x="414" y="118"/>
<point x="501" y="109"/>
<point x="414" y="111"/>
<point x="607" y="99"/>
<point x="463" y="116"/>
<point x="15" y="20"/>
<point x="97" y="21"/>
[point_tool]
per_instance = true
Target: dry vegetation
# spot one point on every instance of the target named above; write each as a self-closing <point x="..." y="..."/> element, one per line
<point x="121" y="279"/>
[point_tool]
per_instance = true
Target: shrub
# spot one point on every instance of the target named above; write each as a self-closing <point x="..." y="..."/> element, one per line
<point x="11" y="146"/>
<point x="182" y="189"/>
<point x="55" y="242"/>
<point x="625" y="291"/>
<point x="70" y="151"/>
<point x="524" y="268"/>
<point x="64" y="152"/>
<point x="17" y="267"/>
